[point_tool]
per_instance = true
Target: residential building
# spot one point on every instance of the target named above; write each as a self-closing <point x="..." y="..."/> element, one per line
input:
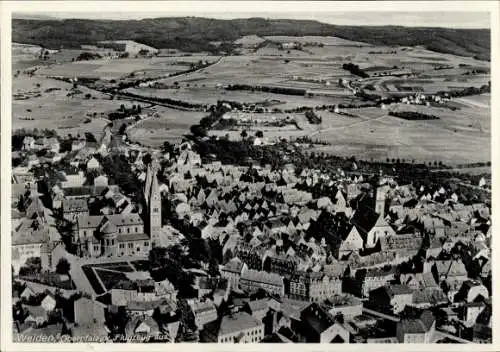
<point x="73" y="208"/>
<point x="314" y="286"/>
<point x="88" y="311"/>
<point x="393" y="298"/>
<point x="347" y="305"/>
<point x="253" y="280"/>
<point x="204" y="312"/>
<point x="234" y="328"/>
<point x="319" y="326"/>
<point x="417" y="330"/>
<point x="232" y="271"/>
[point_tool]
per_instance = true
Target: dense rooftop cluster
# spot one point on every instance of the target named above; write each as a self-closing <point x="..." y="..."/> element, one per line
<point x="119" y="240"/>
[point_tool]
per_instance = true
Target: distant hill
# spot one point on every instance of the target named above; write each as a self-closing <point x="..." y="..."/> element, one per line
<point x="195" y="34"/>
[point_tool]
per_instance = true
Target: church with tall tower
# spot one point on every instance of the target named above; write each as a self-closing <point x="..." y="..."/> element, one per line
<point x="152" y="197"/>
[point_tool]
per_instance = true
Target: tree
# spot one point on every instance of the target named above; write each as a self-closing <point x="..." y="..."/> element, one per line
<point x="259" y="134"/>
<point x="63" y="266"/>
<point x="244" y="134"/>
<point x="122" y="129"/>
<point x="198" y="131"/>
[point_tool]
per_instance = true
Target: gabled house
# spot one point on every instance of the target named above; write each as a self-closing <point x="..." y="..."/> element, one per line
<point x="393" y="298"/>
<point x="352" y="243"/>
<point x="319" y="326"/>
<point x="416" y="330"/>
<point x="371" y="226"/>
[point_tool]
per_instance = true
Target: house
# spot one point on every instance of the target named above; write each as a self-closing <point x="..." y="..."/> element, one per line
<point x="73" y="208"/>
<point x="27" y="292"/>
<point x="204" y="312"/>
<point x="139" y="287"/>
<point x="30" y="241"/>
<point x="88" y="311"/>
<point x="36" y="316"/>
<point x="314" y="286"/>
<point x="73" y="180"/>
<point x="232" y="271"/>
<point x="352" y="243"/>
<point x="253" y="280"/>
<point x="347" y="305"/>
<point x="93" y="164"/>
<point x="142" y="328"/>
<point x="402" y="244"/>
<point x="319" y="326"/>
<point x="101" y="181"/>
<point x="372" y="279"/>
<point x="371" y="226"/>
<point x="393" y="298"/>
<point x="449" y="269"/>
<point x="28" y="143"/>
<point x="416" y="330"/>
<point x="239" y="327"/>
<point x="471" y="311"/>
<point x="258" y="308"/>
<point x="280" y="264"/>
<point x="471" y="291"/>
<point x="48" y="303"/>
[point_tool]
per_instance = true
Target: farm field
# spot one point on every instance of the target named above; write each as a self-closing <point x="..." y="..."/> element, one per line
<point x="457" y="137"/>
<point x="433" y="85"/>
<point x="171" y="125"/>
<point x="259" y="70"/>
<point x="53" y="109"/>
<point x="212" y="95"/>
<point x="460" y="136"/>
<point x="117" y="68"/>
<point x="327" y="41"/>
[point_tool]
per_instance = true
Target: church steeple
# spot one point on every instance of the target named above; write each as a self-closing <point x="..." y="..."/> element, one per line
<point x="153" y="201"/>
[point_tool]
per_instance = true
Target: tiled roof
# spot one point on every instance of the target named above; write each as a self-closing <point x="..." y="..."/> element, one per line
<point x="32" y="237"/>
<point x="257" y="305"/>
<point x="124" y="237"/>
<point x="231" y="324"/>
<point x="262" y="276"/>
<point x="235" y="265"/>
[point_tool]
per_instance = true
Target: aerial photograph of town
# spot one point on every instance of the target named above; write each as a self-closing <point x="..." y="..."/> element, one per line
<point x="251" y="179"/>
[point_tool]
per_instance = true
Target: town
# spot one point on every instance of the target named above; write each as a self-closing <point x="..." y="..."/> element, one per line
<point x="126" y="241"/>
<point x="269" y="191"/>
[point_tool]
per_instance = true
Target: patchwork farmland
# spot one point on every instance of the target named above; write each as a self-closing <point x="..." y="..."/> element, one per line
<point x="264" y="70"/>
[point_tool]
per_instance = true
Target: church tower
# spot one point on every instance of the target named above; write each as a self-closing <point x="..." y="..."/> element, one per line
<point x="380" y="202"/>
<point x="153" y="202"/>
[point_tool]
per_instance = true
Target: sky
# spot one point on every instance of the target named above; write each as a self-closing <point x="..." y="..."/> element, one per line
<point x="411" y="19"/>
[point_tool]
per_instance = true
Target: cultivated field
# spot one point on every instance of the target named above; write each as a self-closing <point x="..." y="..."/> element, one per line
<point x="171" y="125"/>
<point x="458" y="136"/>
<point x="118" y="68"/>
<point x="48" y="106"/>
<point x="200" y="95"/>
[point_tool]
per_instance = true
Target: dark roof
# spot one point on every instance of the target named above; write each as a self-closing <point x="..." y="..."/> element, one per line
<point x="418" y="326"/>
<point x="319" y="322"/>
<point x="364" y="219"/>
